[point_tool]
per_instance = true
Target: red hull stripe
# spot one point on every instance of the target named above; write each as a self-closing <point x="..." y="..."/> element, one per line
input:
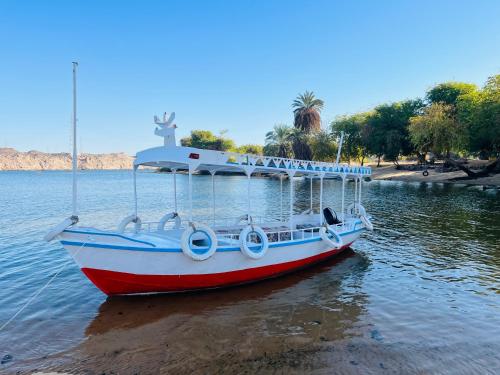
<point x="111" y="282"/>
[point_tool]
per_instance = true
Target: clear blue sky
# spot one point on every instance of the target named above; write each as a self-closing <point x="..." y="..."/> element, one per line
<point x="234" y="65"/>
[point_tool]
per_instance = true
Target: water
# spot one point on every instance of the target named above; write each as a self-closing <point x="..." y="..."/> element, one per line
<point x="421" y="294"/>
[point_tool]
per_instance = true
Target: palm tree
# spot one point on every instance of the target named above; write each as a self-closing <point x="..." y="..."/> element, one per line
<point x="307" y="120"/>
<point x="306" y="110"/>
<point x="300" y="144"/>
<point x="279" y="140"/>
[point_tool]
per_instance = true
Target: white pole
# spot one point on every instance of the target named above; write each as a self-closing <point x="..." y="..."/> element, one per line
<point x="290" y="176"/>
<point x="75" y="154"/>
<point x="311" y="194"/>
<point x="281" y="197"/>
<point x="321" y="199"/>
<point x="360" y="184"/>
<point x="355" y="194"/>
<point x="248" y="197"/>
<point x="190" y="194"/>
<point x="135" y="191"/>
<point x="343" y="190"/>
<point x="213" y="196"/>
<point x="340" y="147"/>
<point x="175" y="189"/>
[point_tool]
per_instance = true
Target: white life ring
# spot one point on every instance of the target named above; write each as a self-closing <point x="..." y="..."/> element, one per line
<point x="352" y="209"/>
<point x="307" y="212"/>
<point x="168" y="217"/>
<point x="254" y="251"/>
<point x="198" y="252"/>
<point x="367" y="223"/>
<point x="130" y="219"/>
<point x="330" y="236"/>
<point x="246" y="218"/>
<point x="57" y="230"/>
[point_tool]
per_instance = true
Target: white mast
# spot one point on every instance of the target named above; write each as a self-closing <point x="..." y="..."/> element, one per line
<point x="75" y="154"/>
<point x="340" y="147"/>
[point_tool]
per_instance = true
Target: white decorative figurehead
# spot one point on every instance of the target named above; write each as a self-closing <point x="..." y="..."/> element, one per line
<point x="166" y="129"/>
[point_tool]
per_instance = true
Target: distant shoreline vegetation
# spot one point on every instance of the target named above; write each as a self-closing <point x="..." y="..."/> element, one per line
<point x="454" y="119"/>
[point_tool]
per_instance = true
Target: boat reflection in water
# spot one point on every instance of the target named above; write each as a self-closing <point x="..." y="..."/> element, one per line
<point x="265" y="324"/>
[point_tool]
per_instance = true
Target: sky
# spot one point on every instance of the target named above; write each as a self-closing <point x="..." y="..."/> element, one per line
<point x="223" y="65"/>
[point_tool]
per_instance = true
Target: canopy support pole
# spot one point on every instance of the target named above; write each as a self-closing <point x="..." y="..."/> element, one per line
<point x="290" y="177"/>
<point x="213" y="196"/>
<point x="321" y="199"/>
<point x="360" y="184"/>
<point x="175" y="189"/>
<point x="135" y="190"/>
<point x="281" y="197"/>
<point x="343" y="196"/>
<point x="311" y="194"/>
<point x="190" y="193"/>
<point x="356" y="194"/>
<point x="248" y="195"/>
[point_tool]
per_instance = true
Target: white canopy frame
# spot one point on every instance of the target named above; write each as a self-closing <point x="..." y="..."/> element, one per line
<point x="195" y="160"/>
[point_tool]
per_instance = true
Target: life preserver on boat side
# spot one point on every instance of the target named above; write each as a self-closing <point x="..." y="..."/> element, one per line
<point x="245" y="217"/>
<point x="166" y="218"/>
<point x="130" y="219"/>
<point x="367" y="223"/>
<point x="198" y="252"/>
<point x="254" y="250"/>
<point x="329" y="235"/>
<point x="351" y="209"/>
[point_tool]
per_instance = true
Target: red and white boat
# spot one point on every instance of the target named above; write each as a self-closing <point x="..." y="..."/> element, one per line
<point x="177" y="254"/>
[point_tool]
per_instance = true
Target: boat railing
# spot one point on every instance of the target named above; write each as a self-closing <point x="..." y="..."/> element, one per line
<point x="151" y="226"/>
<point x="287" y="234"/>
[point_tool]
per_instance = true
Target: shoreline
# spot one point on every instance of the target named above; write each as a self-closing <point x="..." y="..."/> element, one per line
<point x="382" y="173"/>
<point x="389" y="173"/>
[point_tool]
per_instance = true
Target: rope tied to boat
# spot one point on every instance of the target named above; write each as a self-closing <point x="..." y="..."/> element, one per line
<point x="37" y="293"/>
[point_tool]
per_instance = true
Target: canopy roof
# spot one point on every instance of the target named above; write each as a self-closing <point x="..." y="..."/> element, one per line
<point x="195" y="159"/>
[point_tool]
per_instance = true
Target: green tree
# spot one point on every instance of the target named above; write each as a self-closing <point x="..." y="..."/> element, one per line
<point x="278" y="142"/>
<point x="449" y="92"/>
<point x="307" y="120"/>
<point x="479" y="112"/>
<point x="300" y="144"/>
<point x="205" y="139"/>
<point x="437" y="130"/>
<point x="323" y="146"/>
<point x="387" y="127"/>
<point x="353" y="126"/>
<point x="250" y="149"/>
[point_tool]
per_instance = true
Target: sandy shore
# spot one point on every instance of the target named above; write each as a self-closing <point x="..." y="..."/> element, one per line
<point x="389" y="172"/>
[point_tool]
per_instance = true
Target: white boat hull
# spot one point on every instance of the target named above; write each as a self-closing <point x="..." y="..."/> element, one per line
<point x="120" y="264"/>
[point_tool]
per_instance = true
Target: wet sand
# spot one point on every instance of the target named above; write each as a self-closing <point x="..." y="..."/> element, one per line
<point x="388" y="172"/>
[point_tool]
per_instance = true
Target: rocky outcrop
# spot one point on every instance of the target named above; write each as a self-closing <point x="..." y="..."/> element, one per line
<point x="11" y="159"/>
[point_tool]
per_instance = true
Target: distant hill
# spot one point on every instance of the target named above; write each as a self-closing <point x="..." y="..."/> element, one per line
<point x="11" y="159"/>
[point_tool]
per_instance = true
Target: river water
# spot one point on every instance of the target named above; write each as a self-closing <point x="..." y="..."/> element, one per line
<point x="421" y="294"/>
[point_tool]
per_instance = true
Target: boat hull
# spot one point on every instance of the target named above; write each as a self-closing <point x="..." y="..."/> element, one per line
<point x="117" y="265"/>
<point x="116" y="283"/>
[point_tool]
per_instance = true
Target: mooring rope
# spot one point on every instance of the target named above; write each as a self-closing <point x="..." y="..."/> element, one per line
<point x="32" y="298"/>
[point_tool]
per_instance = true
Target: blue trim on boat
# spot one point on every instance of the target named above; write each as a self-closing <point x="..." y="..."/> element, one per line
<point x="109" y="234"/>
<point x="179" y="250"/>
